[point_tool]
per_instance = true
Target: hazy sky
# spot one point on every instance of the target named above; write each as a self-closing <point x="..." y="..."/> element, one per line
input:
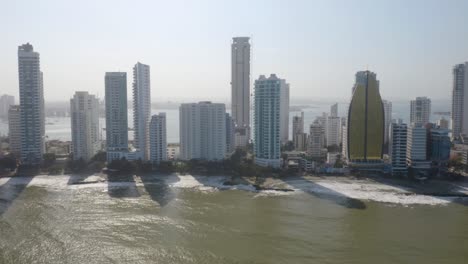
<point x="316" y="45"/>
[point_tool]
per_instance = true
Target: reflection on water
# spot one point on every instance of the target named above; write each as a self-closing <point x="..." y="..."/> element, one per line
<point x="176" y="219"/>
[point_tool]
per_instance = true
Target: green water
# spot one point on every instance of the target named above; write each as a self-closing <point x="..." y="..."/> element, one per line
<point x="156" y="223"/>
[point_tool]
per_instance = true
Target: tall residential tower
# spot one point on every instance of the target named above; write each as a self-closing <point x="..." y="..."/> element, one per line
<point x="31" y="93"/>
<point x="141" y="109"/>
<point x="240" y="89"/>
<point x="460" y="100"/>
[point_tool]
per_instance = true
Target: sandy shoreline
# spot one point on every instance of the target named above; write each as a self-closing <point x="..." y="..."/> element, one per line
<point x="383" y="190"/>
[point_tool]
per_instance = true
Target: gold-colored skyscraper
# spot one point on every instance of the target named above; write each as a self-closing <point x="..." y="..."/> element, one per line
<point x="365" y="121"/>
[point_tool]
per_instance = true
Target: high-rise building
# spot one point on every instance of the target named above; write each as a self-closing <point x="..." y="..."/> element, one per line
<point x="460" y="100"/>
<point x="344" y="138"/>
<point x="365" y="129"/>
<point x="416" y="148"/>
<point x="439" y="148"/>
<point x="158" y="138"/>
<point x="284" y="112"/>
<point x="116" y="115"/>
<point x="267" y="141"/>
<point x="31" y="91"/>
<point x="5" y="102"/>
<point x="202" y="131"/>
<point x="388" y="118"/>
<point x="240" y="89"/>
<point x="420" y="111"/>
<point x="84" y="112"/>
<point x="332" y="131"/>
<point x="230" y="130"/>
<point x="316" y="144"/>
<point x="443" y="123"/>
<point x="299" y="137"/>
<point x="141" y="109"/>
<point x="397" y="148"/>
<point x="14" y="129"/>
<point x="334" y="110"/>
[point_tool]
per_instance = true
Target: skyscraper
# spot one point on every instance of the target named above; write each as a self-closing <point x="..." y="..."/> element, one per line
<point x="116" y="115"/>
<point x="284" y="111"/>
<point x="14" y="129"/>
<point x="460" y="100"/>
<point x="420" y="111"/>
<point x="334" y="110"/>
<point x="397" y="148"/>
<point x="5" y="102"/>
<point x="416" y="148"/>
<point x="388" y="118"/>
<point x="202" y="131"/>
<point x="158" y="138"/>
<point x="332" y="131"/>
<point x="230" y="130"/>
<point x="299" y="137"/>
<point x="240" y="89"/>
<point x="316" y="140"/>
<point x="141" y="109"/>
<point x="365" y="122"/>
<point x="267" y="141"/>
<point x="31" y="93"/>
<point x="84" y="111"/>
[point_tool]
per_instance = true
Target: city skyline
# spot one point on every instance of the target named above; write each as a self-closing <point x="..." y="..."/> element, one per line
<point x="398" y="52"/>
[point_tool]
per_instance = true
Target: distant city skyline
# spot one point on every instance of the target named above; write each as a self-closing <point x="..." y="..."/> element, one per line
<point x="406" y="43"/>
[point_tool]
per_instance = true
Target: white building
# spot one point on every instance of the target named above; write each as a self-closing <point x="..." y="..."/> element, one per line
<point x="443" y="123"/>
<point x="420" y="111"/>
<point x="173" y="151"/>
<point x="416" y="147"/>
<point x="388" y="119"/>
<point x="240" y="89"/>
<point x="267" y="141"/>
<point x="284" y="112"/>
<point x="460" y="100"/>
<point x="14" y="129"/>
<point x="398" y="147"/>
<point x="298" y="135"/>
<point x="116" y="115"/>
<point x="5" y="102"/>
<point x="158" y="138"/>
<point x="333" y="130"/>
<point x="315" y="147"/>
<point x="84" y="113"/>
<point x="141" y="109"/>
<point x="202" y="131"/>
<point x="31" y="91"/>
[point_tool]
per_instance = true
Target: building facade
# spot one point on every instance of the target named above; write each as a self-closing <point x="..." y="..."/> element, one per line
<point x="240" y="89"/>
<point x="267" y="139"/>
<point x="141" y="109"/>
<point x="14" y="129"/>
<point x="420" y="111"/>
<point x="388" y="119"/>
<point x="460" y="100"/>
<point x="443" y="123"/>
<point x="397" y="148"/>
<point x="365" y="129"/>
<point x="439" y="152"/>
<point x="116" y="115"/>
<point x="333" y="130"/>
<point x="202" y="131"/>
<point x="316" y="144"/>
<point x="230" y="131"/>
<point x="158" y="138"/>
<point x="84" y="113"/>
<point x="32" y="114"/>
<point x="5" y="102"/>
<point x="284" y="112"/>
<point x="416" y="148"/>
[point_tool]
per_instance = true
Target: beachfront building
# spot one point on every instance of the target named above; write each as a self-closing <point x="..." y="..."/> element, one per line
<point x="416" y="149"/>
<point x="388" y="119"/>
<point x="31" y="92"/>
<point x="316" y="142"/>
<point x="116" y="115"/>
<point x="141" y="109"/>
<point x="158" y="138"/>
<point x="397" y="148"/>
<point x="267" y="141"/>
<point x="84" y="116"/>
<point x="284" y="112"/>
<point x="240" y="89"/>
<point x="202" y="131"/>
<point x="14" y="129"/>
<point x="366" y="124"/>
<point x="460" y="100"/>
